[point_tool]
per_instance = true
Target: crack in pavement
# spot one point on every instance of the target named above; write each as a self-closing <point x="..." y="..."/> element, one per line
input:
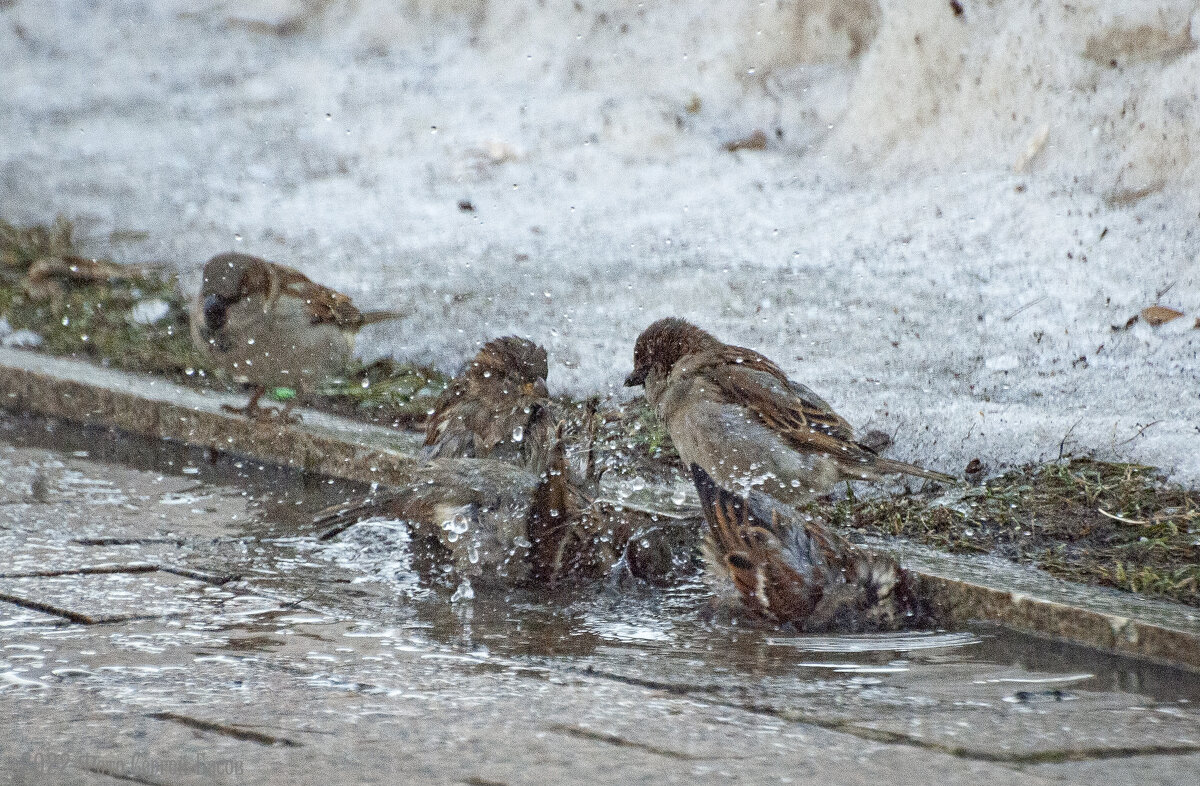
<point x="124" y="776"/>
<point x="58" y="611"/>
<point x="898" y="738"/>
<point x="225" y="729"/>
<point x="612" y="739"/>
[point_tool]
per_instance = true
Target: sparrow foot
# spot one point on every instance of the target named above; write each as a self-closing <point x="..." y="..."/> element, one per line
<point x="253" y="411"/>
<point x="263" y="414"/>
<point x="287" y="415"/>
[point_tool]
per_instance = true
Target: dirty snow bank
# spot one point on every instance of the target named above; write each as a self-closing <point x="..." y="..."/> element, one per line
<point x="952" y="212"/>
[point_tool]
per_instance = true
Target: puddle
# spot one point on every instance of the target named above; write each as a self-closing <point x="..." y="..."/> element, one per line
<point x="351" y="616"/>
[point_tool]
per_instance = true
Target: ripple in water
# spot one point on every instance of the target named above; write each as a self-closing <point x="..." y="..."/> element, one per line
<point x="878" y="642"/>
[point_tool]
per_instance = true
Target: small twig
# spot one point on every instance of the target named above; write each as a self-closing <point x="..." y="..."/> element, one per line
<point x="1158" y="295"/>
<point x="589" y="470"/>
<point x="1062" y="446"/>
<point x="1123" y="520"/>
<point x="1028" y="305"/>
<point x="336" y="530"/>
<point x="295" y="604"/>
<point x="1140" y="431"/>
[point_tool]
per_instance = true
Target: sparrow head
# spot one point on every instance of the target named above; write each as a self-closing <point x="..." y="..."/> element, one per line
<point x="229" y="276"/>
<point x="227" y="279"/>
<point x="513" y="358"/>
<point x="664" y="344"/>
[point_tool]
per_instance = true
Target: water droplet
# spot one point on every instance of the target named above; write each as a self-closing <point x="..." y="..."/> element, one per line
<point x="473" y="552"/>
<point x="522" y="541"/>
<point x="457" y="525"/>
<point x="464" y="592"/>
<point x="679" y="497"/>
<point x="637" y="483"/>
<point x="518" y="433"/>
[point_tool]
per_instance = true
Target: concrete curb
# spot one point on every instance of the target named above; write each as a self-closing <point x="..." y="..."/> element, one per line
<point x="80" y="392"/>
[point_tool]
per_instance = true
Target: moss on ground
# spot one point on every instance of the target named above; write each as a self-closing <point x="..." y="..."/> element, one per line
<point x="385" y="390"/>
<point x="1111" y="524"/>
<point x="93" y="319"/>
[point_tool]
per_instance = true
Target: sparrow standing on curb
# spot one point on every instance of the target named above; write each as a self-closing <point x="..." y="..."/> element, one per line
<point x="497" y="408"/>
<point x="272" y="326"/>
<point x="795" y="570"/>
<point x="737" y="415"/>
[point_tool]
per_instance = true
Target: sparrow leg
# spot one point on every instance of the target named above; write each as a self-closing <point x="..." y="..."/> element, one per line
<point x="252" y="410"/>
<point x="593" y="426"/>
<point x="287" y="415"/>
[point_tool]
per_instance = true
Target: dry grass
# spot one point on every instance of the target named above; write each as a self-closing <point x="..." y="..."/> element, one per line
<point x="1117" y="525"/>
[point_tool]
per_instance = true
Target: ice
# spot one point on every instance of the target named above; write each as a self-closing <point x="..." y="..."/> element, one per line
<point x="147" y="312"/>
<point x="939" y="192"/>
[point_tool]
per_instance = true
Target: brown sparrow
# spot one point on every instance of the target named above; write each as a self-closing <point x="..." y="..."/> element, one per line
<point x="498" y="407"/>
<point x="48" y="278"/>
<point x="490" y="519"/>
<point x="797" y="571"/>
<point x="737" y="415"/>
<point x="271" y="326"/>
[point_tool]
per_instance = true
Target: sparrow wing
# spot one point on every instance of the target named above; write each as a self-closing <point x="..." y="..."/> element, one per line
<point x="775" y="578"/>
<point x="805" y="421"/>
<point x="491" y="421"/>
<point x="325" y="305"/>
<point x="801" y="573"/>
<point x="448" y="419"/>
<point x="434" y="492"/>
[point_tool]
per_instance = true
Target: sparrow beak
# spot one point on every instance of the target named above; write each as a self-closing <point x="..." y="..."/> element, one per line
<point x="214" y="312"/>
<point x="638" y="377"/>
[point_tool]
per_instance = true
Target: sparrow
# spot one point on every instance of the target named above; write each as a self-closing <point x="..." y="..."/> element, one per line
<point x="498" y="408"/>
<point x="492" y="520"/>
<point x="48" y="278"/>
<point x="737" y="416"/>
<point x="795" y="571"/>
<point x="271" y="326"/>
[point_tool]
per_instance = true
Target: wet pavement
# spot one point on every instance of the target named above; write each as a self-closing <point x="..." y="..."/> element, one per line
<point x="168" y="617"/>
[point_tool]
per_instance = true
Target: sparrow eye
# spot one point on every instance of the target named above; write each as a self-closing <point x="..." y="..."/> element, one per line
<point x="214" y="312"/>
